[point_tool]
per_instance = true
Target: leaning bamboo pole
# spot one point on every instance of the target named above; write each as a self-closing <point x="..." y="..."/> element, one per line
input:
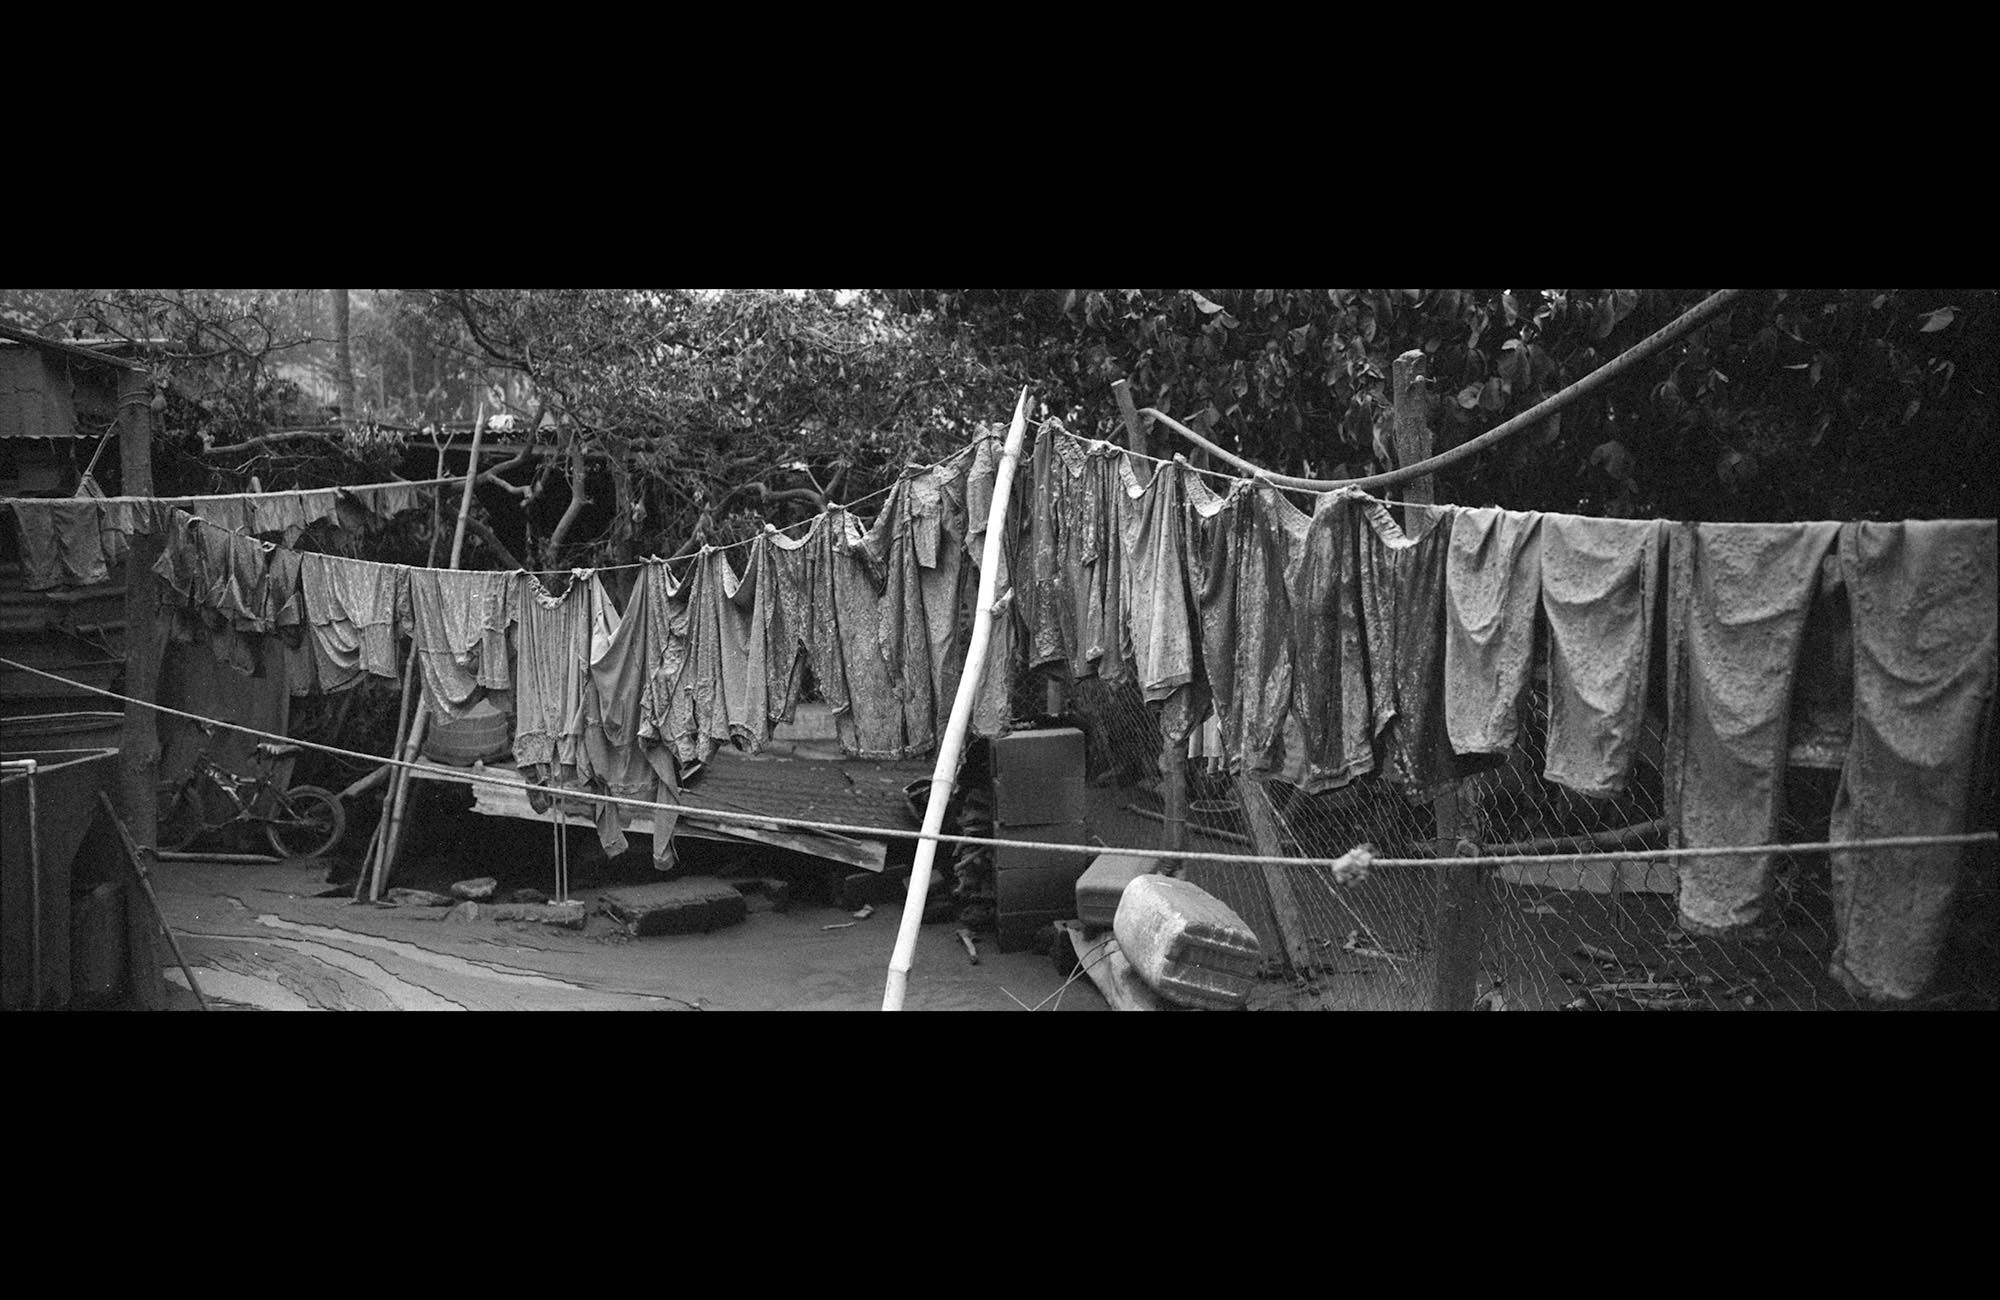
<point x="945" y="775"/>
<point x="421" y="722"/>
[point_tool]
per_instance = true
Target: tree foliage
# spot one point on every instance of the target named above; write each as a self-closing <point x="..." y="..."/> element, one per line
<point x="1871" y="403"/>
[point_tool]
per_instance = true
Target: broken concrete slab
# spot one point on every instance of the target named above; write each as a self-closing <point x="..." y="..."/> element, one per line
<point x="570" y="915"/>
<point x="478" y="890"/>
<point x="763" y="893"/>
<point x="693" y="905"/>
<point x="417" y="898"/>
<point x="463" y="914"/>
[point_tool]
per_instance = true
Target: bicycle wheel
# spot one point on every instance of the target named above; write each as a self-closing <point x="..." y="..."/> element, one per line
<point x="306" y="821"/>
<point x="181" y="815"/>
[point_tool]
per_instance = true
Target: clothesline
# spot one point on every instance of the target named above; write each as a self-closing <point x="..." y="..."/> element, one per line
<point x="1344" y="863"/>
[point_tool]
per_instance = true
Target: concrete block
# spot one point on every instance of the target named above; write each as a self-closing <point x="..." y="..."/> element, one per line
<point x="694" y="905"/>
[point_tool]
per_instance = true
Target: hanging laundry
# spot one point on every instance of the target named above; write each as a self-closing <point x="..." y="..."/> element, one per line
<point x="234" y="586"/>
<point x="1245" y="541"/>
<point x="1158" y="632"/>
<point x="1404" y="608"/>
<point x="947" y="583"/>
<point x="354" y="610"/>
<point x="1740" y="595"/>
<point x="705" y="700"/>
<point x="458" y="631"/>
<point x="1493" y="588"/>
<point x="1088" y="554"/>
<point x="1925" y="601"/>
<point x="842" y="630"/>
<point x="921" y="602"/>
<point x="777" y="617"/>
<point x="1330" y="636"/>
<point x="1051" y="607"/>
<point x="552" y="644"/>
<point x="1599" y="586"/>
<point x="1823" y="700"/>
<point x="620" y="759"/>
<point x="61" y="542"/>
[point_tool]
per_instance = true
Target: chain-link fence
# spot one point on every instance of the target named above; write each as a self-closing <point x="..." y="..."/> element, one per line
<point x="1599" y="933"/>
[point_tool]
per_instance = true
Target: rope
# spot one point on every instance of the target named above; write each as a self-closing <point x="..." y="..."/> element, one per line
<point x="183" y="502"/>
<point x="891" y="832"/>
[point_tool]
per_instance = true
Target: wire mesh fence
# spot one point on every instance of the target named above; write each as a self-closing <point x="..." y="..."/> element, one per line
<point x="1601" y="933"/>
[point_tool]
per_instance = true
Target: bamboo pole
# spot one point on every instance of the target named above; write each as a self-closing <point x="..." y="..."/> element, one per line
<point x="420" y="724"/>
<point x="945" y="776"/>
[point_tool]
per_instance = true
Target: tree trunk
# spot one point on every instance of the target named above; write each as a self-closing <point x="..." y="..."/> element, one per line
<point x="343" y="356"/>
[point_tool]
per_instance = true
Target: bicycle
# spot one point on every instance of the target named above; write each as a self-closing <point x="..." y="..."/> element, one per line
<point x="302" y="822"/>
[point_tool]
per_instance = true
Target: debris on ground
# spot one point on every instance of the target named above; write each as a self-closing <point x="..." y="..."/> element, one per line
<point x="527" y="896"/>
<point x="418" y="898"/>
<point x="478" y="890"/>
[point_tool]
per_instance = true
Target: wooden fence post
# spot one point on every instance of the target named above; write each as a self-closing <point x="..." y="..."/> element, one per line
<point x="1458" y="920"/>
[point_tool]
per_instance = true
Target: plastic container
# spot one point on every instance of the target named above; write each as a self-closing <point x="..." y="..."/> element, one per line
<point x="1186" y="943"/>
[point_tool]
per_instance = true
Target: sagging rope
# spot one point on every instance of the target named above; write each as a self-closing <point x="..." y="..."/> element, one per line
<point x="1345" y="863"/>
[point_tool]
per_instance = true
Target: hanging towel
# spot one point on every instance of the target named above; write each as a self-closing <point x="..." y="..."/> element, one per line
<point x="1924" y="603"/>
<point x="1740" y="596"/>
<point x="1493" y="588"/>
<point x="459" y="635"/>
<point x="1599" y="586"/>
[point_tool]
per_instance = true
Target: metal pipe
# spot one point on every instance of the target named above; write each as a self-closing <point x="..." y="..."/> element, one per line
<point x="1610" y="370"/>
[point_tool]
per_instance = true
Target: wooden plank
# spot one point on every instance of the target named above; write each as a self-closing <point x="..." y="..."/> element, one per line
<point x="139" y="760"/>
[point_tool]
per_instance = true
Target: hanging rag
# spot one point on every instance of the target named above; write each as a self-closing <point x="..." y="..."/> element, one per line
<point x="1403" y="576"/>
<point x="1924" y="602"/>
<point x="1088" y="554"/>
<point x="1599" y="586"/>
<point x="1051" y="609"/>
<point x="1739" y="598"/>
<point x="1493" y="589"/>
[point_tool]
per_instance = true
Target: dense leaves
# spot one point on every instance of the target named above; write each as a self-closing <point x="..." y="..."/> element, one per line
<point x="1791" y="404"/>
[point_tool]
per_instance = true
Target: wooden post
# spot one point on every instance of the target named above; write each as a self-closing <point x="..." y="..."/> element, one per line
<point x="139" y="757"/>
<point x="1458" y="920"/>
<point x="1135" y="434"/>
<point x="414" y="745"/>
<point x="1268" y="839"/>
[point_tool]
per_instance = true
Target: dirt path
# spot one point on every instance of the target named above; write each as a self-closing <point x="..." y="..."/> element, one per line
<point x="259" y="938"/>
